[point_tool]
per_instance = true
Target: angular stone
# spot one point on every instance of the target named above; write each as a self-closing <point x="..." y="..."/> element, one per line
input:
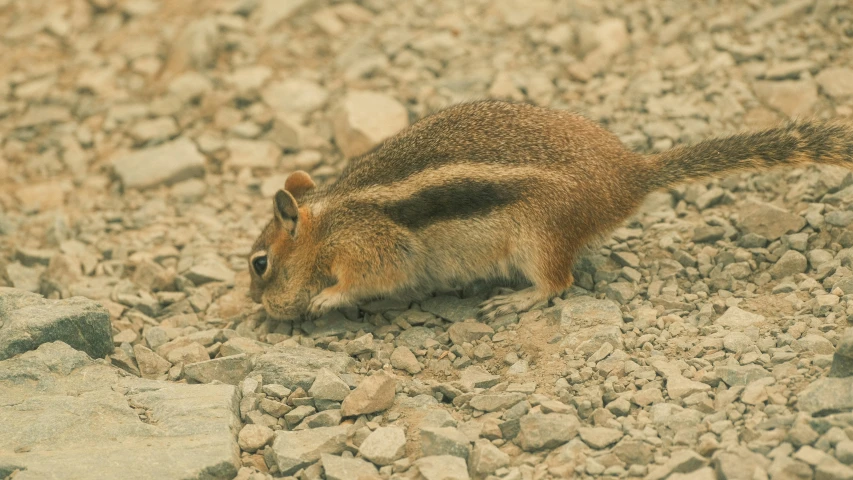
<point x="835" y="81"/>
<point x="442" y="467"/>
<point x="295" y="367"/>
<point x="151" y="365"/>
<point x="229" y="370"/>
<point x="679" y="387"/>
<point x="681" y="461"/>
<point x="452" y="309"/>
<point x="790" y="263"/>
<point x="737" y="319"/>
<point x="165" y="164"/>
<point x="293" y="450"/>
<point x="491" y="402"/>
<point x="633" y="452"/>
<point x="329" y="386"/>
<point x="374" y="394"/>
<point x="842" y="359"/>
<point x="384" y="445"/>
<point x="583" y="312"/>
<point x="486" y="458"/>
<point x="469" y="332"/>
<point x="827" y="395"/>
<point x="402" y="358"/>
<point x="366" y="118"/>
<point x="768" y="220"/>
<point x="210" y="271"/>
<point x="444" y="441"/>
<point x="254" y="437"/>
<point x="550" y="430"/>
<point x="599" y="437"/>
<point x="741" y="375"/>
<point x="62" y="412"/>
<point x="415" y="337"/>
<point x="252" y="154"/>
<point x="794" y="98"/>
<point x="339" y="468"/>
<point x="295" y="96"/>
<point x="28" y="320"/>
<point x="156" y="130"/>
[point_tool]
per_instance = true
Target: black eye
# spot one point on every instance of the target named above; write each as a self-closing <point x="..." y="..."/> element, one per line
<point x="259" y="263"/>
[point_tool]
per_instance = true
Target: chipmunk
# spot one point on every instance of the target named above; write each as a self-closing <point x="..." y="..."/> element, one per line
<point x="485" y="190"/>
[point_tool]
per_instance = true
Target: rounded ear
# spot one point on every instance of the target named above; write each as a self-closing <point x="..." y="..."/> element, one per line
<point x="298" y="183"/>
<point x="285" y="207"/>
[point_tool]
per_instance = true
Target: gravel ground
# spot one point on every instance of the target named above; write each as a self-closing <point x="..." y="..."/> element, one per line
<point x="141" y="142"/>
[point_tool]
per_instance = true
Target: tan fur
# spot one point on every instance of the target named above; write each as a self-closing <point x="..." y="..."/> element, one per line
<point x="481" y="191"/>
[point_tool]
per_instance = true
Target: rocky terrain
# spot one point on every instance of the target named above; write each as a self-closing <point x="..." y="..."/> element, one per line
<point x="141" y="142"/>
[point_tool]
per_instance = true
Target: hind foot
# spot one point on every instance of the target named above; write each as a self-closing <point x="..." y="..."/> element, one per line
<point x="516" y="302"/>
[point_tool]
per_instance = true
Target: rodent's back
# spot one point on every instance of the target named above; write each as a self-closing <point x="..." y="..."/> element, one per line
<point x="490" y="136"/>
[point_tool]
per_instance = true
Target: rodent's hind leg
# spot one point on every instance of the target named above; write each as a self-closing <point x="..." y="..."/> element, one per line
<point x="551" y="274"/>
<point x="515" y="302"/>
<point x="327" y="300"/>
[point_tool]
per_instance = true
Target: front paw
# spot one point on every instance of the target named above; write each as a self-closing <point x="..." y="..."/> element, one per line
<point x="323" y="303"/>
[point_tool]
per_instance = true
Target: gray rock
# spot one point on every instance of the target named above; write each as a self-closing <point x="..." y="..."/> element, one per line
<point x="538" y="431"/>
<point x="254" y="437"/>
<point x="583" y="312"/>
<point x="329" y="386"/>
<point x="374" y="394"/>
<point x="827" y="395"/>
<point x="293" y="450"/>
<point x="708" y="233"/>
<point x="469" y="332"/>
<point x="794" y="98"/>
<point x="444" y="441"/>
<point x="165" y="164"/>
<point x="295" y="367"/>
<point x="326" y="418"/>
<point x="366" y="118"/>
<point x="415" y="337"/>
<point x="769" y="221"/>
<point x="63" y="413"/>
<point x="28" y="320"/>
<point x="790" y="263"/>
<point x="402" y="358"/>
<point x="491" y="402"/>
<point x="452" y="309"/>
<point x="442" y="467"/>
<point x="835" y="81"/>
<point x="360" y="345"/>
<point x="294" y="95"/>
<point x="438" y="418"/>
<point x="339" y="468"/>
<point x="741" y="375"/>
<point x="210" y="271"/>
<point x="634" y="452"/>
<point x="681" y="461"/>
<point x="486" y="458"/>
<point x="153" y="131"/>
<point x="737" y="319"/>
<point x="842" y="359"/>
<point x="599" y="437"/>
<point x="831" y="469"/>
<point x="384" y="445"/>
<point x="230" y="370"/>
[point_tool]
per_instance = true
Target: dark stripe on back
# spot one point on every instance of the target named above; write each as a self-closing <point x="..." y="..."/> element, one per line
<point x="455" y="200"/>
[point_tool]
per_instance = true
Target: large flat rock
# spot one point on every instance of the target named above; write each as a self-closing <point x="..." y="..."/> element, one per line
<point x="28" y="320"/>
<point x="165" y="164"/>
<point x="64" y="415"/>
<point x="298" y="366"/>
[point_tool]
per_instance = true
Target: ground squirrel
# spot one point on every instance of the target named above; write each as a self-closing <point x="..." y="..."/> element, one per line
<point x="485" y="190"/>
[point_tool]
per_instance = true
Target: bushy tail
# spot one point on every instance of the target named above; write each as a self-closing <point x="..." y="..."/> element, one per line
<point x="796" y="143"/>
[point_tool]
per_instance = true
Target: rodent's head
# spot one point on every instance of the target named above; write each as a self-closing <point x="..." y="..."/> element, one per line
<point x="281" y="260"/>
